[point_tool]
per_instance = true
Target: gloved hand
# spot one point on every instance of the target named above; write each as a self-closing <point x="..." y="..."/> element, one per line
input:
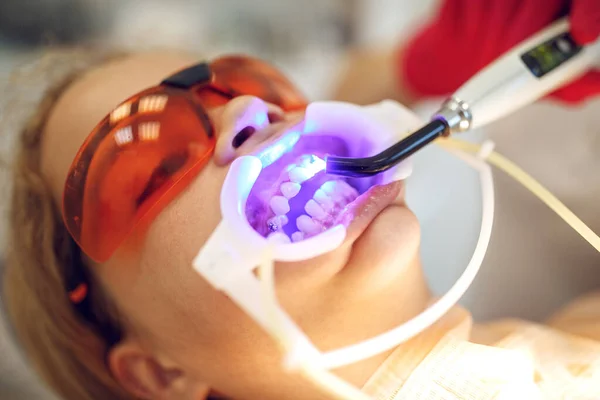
<point x="467" y="35"/>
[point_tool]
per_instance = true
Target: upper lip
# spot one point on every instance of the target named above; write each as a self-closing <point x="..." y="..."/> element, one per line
<point x="274" y="132"/>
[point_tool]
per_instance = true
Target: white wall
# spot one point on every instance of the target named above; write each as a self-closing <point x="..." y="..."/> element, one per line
<point x="384" y="21"/>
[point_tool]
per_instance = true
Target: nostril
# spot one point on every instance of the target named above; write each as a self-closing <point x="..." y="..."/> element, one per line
<point x="275" y="117"/>
<point x="242" y="136"/>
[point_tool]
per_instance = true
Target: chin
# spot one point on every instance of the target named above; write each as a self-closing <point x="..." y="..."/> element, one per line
<point x="387" y="248"/>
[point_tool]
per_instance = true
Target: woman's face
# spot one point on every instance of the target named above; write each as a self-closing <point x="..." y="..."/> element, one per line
<point x="184" y="338"/>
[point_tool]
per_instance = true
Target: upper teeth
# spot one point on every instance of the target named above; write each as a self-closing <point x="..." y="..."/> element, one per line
<point x="329" y="187"/>
<point x="324" y="200"/>
<point x="299" y="174"/>
<point x="279" y="205"/>
<point x="338" y="191"/>
<point x="347" y="190"/>
<point x="315" y="210"/>
<point x="290" y="189"/>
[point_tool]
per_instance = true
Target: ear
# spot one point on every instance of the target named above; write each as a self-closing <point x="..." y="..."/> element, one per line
<point x="145" y="377"/>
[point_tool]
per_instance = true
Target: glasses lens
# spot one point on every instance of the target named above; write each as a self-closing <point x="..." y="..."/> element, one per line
<point x="242" y="75"/>
<point x="149" y="148"/>
<point x="135" y="161"/>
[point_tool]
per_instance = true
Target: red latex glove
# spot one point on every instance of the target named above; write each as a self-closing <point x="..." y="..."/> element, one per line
<point x="467" y="35"/>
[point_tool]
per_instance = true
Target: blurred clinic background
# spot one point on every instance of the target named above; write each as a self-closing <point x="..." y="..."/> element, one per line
<point x="308" y="39"/>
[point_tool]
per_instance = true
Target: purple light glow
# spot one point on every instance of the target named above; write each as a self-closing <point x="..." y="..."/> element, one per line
<point x="273" y="153"/>
<point x="291" y="151"/>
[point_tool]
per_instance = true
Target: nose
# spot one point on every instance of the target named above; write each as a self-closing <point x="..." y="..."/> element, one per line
<point x="242" y="118"/>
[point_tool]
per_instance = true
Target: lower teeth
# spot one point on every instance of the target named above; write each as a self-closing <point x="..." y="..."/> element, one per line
<point x="297" y="236"/>
<point x="277" y="223"/>
<point x="279" y="237"/>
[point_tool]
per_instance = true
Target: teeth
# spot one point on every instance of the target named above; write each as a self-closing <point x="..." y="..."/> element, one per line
<point x="277" y="222"/>
<point x="305" y="160"/>
<point x="297" y="236"/>
<point x="347" y="190"/>
<point x="324" y="200"/>
<point x="335" y="190"/>
<point x="279" y="205"/>
<point x="339" y="187"/>
<point x="299" y="174"/>
<point x="329" y="187"/>
<point x="314" y="210"/>
<point x="278" y="237"/>
<point x="306" y="225"/>
<point x="290" y="189"/>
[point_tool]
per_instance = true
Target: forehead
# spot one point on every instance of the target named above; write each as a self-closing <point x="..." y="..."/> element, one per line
<point x="93" y="96"/>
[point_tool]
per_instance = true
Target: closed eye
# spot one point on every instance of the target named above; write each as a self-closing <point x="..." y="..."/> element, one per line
<point x="161" y="174"/>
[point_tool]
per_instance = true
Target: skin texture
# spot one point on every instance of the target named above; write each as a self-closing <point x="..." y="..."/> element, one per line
<point x="184" y="340"/>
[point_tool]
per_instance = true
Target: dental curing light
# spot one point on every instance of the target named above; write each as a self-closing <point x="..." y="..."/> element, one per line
<point x="531" y="70"/>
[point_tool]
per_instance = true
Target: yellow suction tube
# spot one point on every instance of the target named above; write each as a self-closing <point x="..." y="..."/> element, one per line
<point x="513" y="170"/>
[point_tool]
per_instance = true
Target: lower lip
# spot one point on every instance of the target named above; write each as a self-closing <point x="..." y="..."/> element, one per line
<point x="362" y="211"/>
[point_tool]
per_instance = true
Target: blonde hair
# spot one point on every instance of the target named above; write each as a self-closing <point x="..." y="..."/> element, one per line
<point x="68" y="353"/>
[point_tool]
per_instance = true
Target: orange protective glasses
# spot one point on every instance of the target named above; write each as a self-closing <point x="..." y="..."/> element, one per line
<point x="145" y="152"/>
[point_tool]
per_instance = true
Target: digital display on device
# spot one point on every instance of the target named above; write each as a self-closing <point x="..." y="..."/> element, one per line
<point x="545" y="57"/>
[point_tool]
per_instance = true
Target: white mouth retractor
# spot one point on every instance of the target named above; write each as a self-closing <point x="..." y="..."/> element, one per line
<point x="363" y="129"/>
<point x="232" y="253"/>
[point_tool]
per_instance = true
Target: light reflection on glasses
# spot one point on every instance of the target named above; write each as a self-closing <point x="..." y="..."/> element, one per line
<point x="152" y="104"/>
<point x="149" y="131"/>
<point x="124" y="136"/>
<point x="120" y="112"/>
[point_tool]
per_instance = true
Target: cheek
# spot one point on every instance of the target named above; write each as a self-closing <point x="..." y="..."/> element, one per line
<point x="182" y="316"/>
<point x="171" y="290"/>
<point x="393" y="238"/>
<point x="386" y="250"/>
<point x="183" y="227"/>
